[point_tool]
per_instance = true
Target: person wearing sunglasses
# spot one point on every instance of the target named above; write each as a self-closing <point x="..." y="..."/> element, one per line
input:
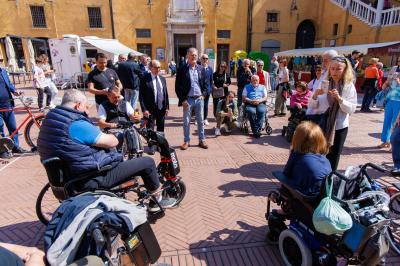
<point x="208" y="76"/>
<point x="222" y="80"/>
<point x="341" y="97"/>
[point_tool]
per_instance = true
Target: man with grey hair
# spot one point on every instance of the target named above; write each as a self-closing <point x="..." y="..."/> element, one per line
<point x="68" y="133"/>
<point x="244" y="74"/>
<point x="129" y="74"/>
<point x="326" y="61"/>
<point x="121" y="58"/>
<point x="191" y="89"/>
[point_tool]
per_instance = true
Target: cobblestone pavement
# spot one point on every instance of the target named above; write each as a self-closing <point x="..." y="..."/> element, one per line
<point x="221" y="221"/>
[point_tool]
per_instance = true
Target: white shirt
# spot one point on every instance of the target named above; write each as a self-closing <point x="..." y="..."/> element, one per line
<point x="283" y="75"/>
<point x="315" y="84"/>
<point x="39" y="77"/>
<point x="155" y="79"/>
<point x="102" y="114"/>
<point x="347" y="107"/>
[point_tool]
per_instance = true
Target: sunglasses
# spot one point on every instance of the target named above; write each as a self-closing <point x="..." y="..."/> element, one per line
<point x="204" y="58"/>
<point x="340" y="59"/>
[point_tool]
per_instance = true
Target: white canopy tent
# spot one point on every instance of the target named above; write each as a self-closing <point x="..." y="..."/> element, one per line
<point x="342" y="50"/>
<point x="12" y="61"/>
<point x="109" y="45"/>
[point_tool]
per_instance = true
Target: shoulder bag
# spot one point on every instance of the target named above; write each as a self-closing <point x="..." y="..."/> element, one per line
<point x="219" y="92"/>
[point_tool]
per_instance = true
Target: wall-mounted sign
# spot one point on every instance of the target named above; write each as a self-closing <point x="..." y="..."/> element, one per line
<point x="160" y="54"/>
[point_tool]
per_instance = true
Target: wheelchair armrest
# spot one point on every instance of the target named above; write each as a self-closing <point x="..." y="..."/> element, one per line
<point x="286" y="182"/>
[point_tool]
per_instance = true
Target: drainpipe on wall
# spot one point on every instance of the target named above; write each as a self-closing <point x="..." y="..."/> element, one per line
<point x="249" y="25"/>
<point x="112" y="19"/>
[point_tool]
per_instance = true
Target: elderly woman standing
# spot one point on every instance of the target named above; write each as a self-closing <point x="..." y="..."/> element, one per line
<point x="263" y="75"/>
<point x="283" y="86"/>
<point x="341" y="97"/>
<point x="392" y="109"/>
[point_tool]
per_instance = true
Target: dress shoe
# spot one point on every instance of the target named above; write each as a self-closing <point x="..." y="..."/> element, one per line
<point x="203" y="145"/>
<point x="185" y="145"/>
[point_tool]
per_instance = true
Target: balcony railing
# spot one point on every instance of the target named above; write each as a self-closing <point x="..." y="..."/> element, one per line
<point x="391" y="17"/>
<point x="363" y="12"/>
<point x="369" y="14"/>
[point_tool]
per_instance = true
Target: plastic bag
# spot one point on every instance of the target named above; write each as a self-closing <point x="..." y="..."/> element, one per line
<point x="329" y="217"/>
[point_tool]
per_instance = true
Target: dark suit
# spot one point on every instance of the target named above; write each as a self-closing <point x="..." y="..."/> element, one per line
<point x="129" y="74"/>
<point x="208" y="77"/>
<point x="182" y="83"/>
<point x="195" y="102"/>
<point x="148" y="101"/>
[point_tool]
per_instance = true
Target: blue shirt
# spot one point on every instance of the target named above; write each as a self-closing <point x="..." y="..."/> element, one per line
<point x="254" y="93"/>
<point x="84" y="132"/>
<point x="307" y="172"/>
<point x="195" y="89"/>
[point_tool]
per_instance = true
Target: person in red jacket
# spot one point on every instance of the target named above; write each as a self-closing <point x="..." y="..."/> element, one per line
<point x="299" y="100"/>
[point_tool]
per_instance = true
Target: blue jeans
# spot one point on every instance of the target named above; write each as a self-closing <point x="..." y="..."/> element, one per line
<point x="206" y="99"/>
<point x="256" y="116"/>
<point x="196" y="104"/>
<point x="8" y="118"/>
<point x="273" y="81"/>
<point x="132" y="96"/>
<point x="395" y="140"/>
<point x="392" y="109"/>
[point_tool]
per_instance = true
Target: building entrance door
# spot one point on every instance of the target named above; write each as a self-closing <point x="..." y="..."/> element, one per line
<point x="182" y="42"/>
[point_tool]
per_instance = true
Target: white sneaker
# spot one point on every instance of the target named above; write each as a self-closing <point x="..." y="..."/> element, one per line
<point x="195" y="122"/>
<point x="217" y="132"/>
<point x="206" y="122"/>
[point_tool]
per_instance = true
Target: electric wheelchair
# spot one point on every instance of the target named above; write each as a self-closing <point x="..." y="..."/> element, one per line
<point x="300" y="244"/>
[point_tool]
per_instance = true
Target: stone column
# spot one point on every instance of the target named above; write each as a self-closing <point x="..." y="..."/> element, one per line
<point x="200" y="39"/>
<point x="170" y="44"/>
<point x="379" y="9"/>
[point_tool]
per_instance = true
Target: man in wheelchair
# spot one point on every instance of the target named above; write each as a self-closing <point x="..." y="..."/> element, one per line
<point x="254" y="96"/>
<point x="68" y="133"/>
<point x="115" y="110"/>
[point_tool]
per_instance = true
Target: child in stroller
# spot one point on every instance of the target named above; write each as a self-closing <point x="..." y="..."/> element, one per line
<point x="298" y="107"/>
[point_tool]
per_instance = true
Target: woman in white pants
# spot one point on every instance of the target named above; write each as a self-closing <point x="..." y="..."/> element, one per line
<point x="49" y="73"/>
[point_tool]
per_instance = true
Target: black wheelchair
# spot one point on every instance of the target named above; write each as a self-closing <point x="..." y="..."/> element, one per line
<point x="296" y="117"/>
<point x="62" y="186"/>
<point x="299" y="242"/>
<point x="244" y="122"/>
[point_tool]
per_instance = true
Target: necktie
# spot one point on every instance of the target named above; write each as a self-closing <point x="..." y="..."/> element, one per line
<point x="160" y="96"/>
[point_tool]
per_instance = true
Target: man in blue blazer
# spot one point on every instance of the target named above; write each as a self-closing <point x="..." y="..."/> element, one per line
<point x="129" y="74"/>
<point x="7" y="91"/>
<point x="191" y="89"/>
<point x="208" y="77"/>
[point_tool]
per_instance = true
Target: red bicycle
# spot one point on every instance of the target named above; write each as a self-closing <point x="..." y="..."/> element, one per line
<point x="32" y="128"/>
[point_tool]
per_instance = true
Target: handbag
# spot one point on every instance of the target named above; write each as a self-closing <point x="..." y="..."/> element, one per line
<point x="329" y="217"/>
<point x="219" y="92"/>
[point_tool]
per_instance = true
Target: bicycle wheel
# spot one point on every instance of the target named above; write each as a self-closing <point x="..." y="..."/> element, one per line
<point x="394" y="204"/>
<point x="46" y="204"/>
<point x="31" y="132"/>
<point x="393" y="240"/>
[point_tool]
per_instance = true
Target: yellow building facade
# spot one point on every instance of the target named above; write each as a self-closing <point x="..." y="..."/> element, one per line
<point x="164" y="29"/>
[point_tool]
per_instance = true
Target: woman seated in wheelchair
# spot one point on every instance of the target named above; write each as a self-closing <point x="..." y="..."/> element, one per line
<point x="299" y="100"/>
<point x="307" y="166"/>
<point x="254" y="96"/>
<point x="227" y="114"/>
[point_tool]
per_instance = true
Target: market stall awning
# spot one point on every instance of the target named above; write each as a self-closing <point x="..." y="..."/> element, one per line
<point x="343" y="50"/>
<point x="109" y="45"/>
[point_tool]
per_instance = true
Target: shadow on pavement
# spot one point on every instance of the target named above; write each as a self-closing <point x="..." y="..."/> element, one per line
<point x="25" y="233"/>
<point x="257" y="170"/>
<point x="245" y="188"/>
<point x="226" y="244"/>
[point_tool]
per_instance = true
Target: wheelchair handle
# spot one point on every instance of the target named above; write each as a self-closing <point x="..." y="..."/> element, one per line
<point x="374" y="166"/>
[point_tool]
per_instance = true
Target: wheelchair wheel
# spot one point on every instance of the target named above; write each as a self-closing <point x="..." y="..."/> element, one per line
<point x="176" y="191"/>
<point x="293" y="250"/>
<point x="268" y="129"/>
<point x="46" y="204"/>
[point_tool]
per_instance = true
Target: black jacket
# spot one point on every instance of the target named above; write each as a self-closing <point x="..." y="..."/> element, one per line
<point x="146" y="94"/>
<point x="129" y="73"/>
<point x="182" y="82"/>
